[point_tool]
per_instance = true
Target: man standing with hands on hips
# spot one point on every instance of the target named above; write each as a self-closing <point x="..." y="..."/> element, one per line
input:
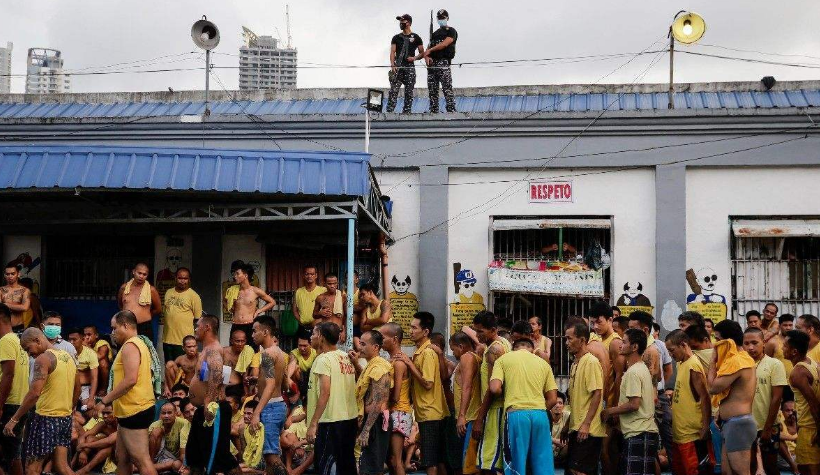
<point x="441" y="52"/>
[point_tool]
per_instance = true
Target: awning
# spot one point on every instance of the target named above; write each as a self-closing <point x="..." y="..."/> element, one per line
<point x="551" y="223"/>
<point x="163" y="168"/>
<point x="753" y="228"/>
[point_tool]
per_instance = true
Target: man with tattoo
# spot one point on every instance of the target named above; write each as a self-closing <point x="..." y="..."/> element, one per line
<point x="14" y="365"/>
<point x="372" y="396"/>
<point x="181" y="370"/>
<point x="331" y="305"/>
<point x="53" y="393"/>
<point x="15" y="296"/>
<point x="212" y="413"/>
<point x="132" y="395"/>
<point x="272" y="409"/>
<point x="331" y="410"/>
<point x="246" y="306"/>
<point x="142" y="299"/>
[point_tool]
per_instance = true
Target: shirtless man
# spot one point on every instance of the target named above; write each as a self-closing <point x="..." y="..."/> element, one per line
<point x="768" y="322"/>
<point x="186" y="363"/>
<point x="15" y="296"/>
<point x="272" y="409"/>
<point x="331" y="306"/>
<point x="91" y="339"/>
<point x="246" y="306"/>
<point x="143" y="304"/>
<point x="652" y="357"/>
<point x="739" y="427"/>
<point x="206" y="393"/>
<point x="774" y="347"/>
<point x="401" y="412"/>
<point x="237" y="355"/>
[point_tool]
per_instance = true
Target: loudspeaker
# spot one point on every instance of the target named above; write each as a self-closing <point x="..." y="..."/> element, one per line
<point x="205" y="34"/>
<point x="688" y="28"/>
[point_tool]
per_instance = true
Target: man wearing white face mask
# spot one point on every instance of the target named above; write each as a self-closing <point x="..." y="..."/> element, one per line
<point x="52" y="326"/>
<point x="441" y="51"/>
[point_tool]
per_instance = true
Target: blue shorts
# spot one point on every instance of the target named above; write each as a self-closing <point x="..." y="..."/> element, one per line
<point x="273" y="419"/>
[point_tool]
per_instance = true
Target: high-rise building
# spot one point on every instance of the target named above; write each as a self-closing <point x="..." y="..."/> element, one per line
<point x="44" y="74"/>
<point x="264" y="65"/>
<point x="5" y="68"/>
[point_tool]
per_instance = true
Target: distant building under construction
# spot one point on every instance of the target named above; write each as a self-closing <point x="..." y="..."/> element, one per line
<point x="264" y="65"/>
<point x="5" y="68"/>
<point x="44" y="73"/>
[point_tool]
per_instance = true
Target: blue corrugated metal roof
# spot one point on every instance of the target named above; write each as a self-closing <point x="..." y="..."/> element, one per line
<point x="492" y="103"/>
<point x="163" y="168"/>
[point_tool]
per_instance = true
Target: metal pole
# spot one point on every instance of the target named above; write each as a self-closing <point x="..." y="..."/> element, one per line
<point x="560" y="244"/>
<point x="366" y="131"/>
<point x="207" y="79"/>
<point x="351" y="250"/>
<point x="671" y="70"/>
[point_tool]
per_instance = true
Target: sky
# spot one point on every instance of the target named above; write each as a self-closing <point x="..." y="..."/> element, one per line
<point x="96" y="33"/>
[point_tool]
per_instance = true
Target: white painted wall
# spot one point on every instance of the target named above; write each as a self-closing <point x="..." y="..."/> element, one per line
<point x="246" y="248"/>
<point x="628" y="196"/>
<point x="714" y="195"/>
<point x="27" y="250"/>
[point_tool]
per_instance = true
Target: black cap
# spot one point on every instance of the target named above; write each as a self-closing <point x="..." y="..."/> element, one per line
<point x="406" y="17"/>
<point x="442" y="14"/>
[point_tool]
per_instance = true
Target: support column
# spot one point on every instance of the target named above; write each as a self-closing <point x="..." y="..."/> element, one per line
<point x="433" y="256"/>
<point x="351" y="255"/>
<point x="670" y="241"/>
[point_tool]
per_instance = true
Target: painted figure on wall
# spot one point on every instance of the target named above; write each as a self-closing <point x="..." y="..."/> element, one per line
<point x="466" y="282"/>
<point x="404" y="304"/>
<point x="466" y="301"/>
<point x="633" y="296"/>
<point x="703" y="287"/>
<point x="25" y="264"/>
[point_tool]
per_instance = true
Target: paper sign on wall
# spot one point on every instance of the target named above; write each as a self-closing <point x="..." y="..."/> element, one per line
<point x="551" y="192"/>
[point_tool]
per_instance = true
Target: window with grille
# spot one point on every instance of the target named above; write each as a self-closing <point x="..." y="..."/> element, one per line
<point x="772" y="262"/>
<point x="544" y="241"/>
<point x="92" y="267"/>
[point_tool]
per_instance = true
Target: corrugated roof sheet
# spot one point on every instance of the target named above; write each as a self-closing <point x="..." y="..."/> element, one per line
<point x="583" y="102"/>
<point x="163" y="168"/>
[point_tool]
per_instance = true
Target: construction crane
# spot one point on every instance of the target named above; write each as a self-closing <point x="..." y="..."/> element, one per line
<point x="287" y="19"/>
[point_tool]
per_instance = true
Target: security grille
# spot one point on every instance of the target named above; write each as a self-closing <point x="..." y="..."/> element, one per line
<point x="92" y="267"/>
<point x="547" y="243"/>
<point x="783" y="270"/>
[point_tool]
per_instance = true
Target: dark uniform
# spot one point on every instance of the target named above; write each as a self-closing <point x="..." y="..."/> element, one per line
<point x="406" y="46"/>
<point x="439" y="70"/>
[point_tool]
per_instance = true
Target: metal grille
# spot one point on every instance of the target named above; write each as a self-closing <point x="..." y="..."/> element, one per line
<point x="92" y="267"/>
<point x="785" y="271"/>
<point x="553" y="310"/>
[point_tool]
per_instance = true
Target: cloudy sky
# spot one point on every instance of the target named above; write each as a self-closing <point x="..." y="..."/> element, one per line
<point x="96" y="33"/>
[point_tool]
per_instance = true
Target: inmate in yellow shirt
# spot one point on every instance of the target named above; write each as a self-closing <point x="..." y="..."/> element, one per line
<point x="306" y="301"/>
<point x="637" y="382"/>
<point x="87" y="359"/>
<point x="342" y="403"/>
<point x="177" y="438"/>
<point x="586" y="376"/>
<point x="180" y="309"/>
<point x="429" y="404"/>
<point x="770" y="373"/>
<point x="686" y="423"/>
<point x="304" y="363"/>
<point x="10" y="350"/>
<point x="58" y="392"/>
<point x="526" y="378"/>
<point x="244" y="360"/>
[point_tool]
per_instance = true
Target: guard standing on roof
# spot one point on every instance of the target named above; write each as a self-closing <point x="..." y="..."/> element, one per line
<point x="402" y="70"/>
<point x="441" y="51"/>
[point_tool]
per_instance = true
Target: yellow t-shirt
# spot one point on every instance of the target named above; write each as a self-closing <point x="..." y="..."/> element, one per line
<point x="430" y="404"/>
<point x="87" y="359"/>
<point x="637" y="382"/>
<point x="341" y="406"/>
<point x="244" y="360"/>
<point x="299" y="429"/>
<point x="485" y="369"/>
<point x="253" y="446"/>
<point x="804" y="417"/>
<point x="770" y="373"/>
<point x="100" y="344"/>
<point x="526" y="378"/>
<point x="54" y="402"/>
<point x="177" y="438"/>
<point x="705" y="357"/>
<point x="375" y="370"/>
<point x="609" y="339"/>
<point x="686" y="423"/>
<point x="475" y="394"/>
<point x="92" y="423"/>
<point x="306" y="301"/>
<point x="180" y="309"/>
<point x="304" y="363"/>
<point x="586" y="376"/>
<point x="814" y="353"/>
<point x="141" y="396"/>
<point x="10" y="350"/>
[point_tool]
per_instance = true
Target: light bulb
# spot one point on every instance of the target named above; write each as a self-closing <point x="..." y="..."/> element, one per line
<point x="687" y="27"/>
<point x="206" y="36"/>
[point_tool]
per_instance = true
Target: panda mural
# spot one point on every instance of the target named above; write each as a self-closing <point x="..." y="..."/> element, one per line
<point x="404" y="304"/>
<point x="633" y="296"/>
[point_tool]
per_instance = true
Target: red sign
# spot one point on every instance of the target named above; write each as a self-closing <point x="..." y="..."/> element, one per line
<point x="551" y="192"/>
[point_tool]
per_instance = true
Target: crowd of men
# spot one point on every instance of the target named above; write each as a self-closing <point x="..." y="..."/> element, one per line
<point x="737" y="401"/>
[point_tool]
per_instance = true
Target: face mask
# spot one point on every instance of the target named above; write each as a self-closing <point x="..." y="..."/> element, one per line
<point x="442" y="23"/>
<point x="52" y="332"/>
<point x="402" y="26"/>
